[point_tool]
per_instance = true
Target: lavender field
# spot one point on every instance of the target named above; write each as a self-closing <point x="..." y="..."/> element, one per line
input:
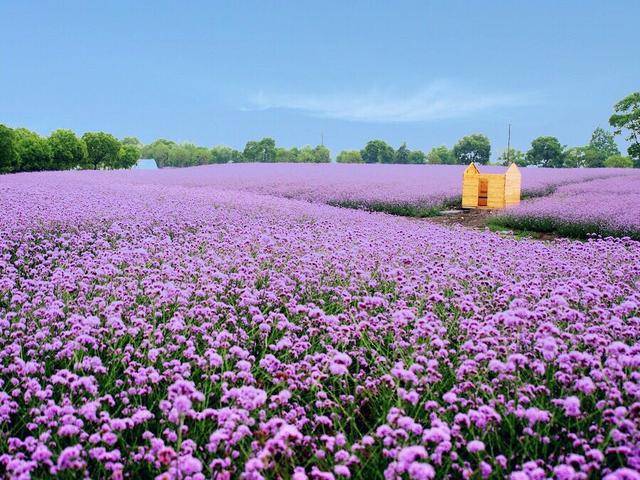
<point x="197" y="323"/>
<point x="413" y="190"/>
<point x="609" y="206"/>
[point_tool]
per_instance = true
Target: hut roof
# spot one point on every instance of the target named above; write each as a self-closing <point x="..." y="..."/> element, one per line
<point x="513" y="170"/>
<point x="472" y="169"/>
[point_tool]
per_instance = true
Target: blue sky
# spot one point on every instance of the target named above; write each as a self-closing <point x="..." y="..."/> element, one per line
<point x="423" y="72"/>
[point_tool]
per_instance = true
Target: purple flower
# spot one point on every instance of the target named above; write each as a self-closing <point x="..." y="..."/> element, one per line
<point x="340" y="364"/>
<point x="571" y="406"/>
<point x="475" y="446"/>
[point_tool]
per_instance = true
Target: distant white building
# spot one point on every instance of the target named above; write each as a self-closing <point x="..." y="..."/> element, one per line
<point x="146" y="164"/>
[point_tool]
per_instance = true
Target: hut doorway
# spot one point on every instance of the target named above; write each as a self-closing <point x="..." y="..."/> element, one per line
<point x="483" y="192"/>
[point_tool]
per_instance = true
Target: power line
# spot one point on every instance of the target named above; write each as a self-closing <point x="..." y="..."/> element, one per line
<point x="509" y="145"/>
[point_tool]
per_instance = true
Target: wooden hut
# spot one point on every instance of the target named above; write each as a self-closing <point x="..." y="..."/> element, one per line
<point x="490" y="190"/>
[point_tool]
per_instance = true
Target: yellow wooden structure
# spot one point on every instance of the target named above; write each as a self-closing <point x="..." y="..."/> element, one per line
<point x="490" y="190"/>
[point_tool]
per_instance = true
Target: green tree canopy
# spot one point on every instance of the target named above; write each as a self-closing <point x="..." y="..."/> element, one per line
<point x="573" y="157"/>
<point x="321" y="154"/>
<point x="8" y="152"/>
<point x="131" y="141"/>
<point x="377" y="151"/>
<point x="473" y="148"/>
<point x="416" y="157"/>
<point x="33" y="151"/>
<point x="618" y="161"/>
<point x="128" y="155"/>
<point x="401" y="155"/>
<point x="592" y="157"/>
<point x="223" y="154"/>
<point x="546" y="152"/>
<point x="587" y="157"/>
<point x="627" y="118"/>
<point x="308" y="154"/>
<point x="188" y="155"/>
<point x="441" y="155"/>
<point x="603" y="143"/>
<point x="262" y="151"/>
<point x="179" y="156"/>
<point x="67" y="150"/>
<point x="159" y="151"/>
<point x="102" y="150"/>
<point x="349" y="156"/>
<point x="287" y="155"/>
<point x="512" y="155"/>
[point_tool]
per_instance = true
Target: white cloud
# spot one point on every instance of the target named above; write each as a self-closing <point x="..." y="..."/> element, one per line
<point x="439" y="100"/>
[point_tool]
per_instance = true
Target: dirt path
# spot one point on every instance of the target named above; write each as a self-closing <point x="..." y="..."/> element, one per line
<point x="478" y="220"/>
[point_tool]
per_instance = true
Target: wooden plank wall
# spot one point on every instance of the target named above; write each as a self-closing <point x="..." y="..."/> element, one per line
<point x="496" y="191"/>
<point x="470" y="190"/>
<point x="512" y="188"/>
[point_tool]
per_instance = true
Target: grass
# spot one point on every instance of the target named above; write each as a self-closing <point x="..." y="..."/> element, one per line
<point x="405" y="209"/>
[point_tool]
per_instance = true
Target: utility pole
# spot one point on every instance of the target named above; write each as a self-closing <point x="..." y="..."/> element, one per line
<point x="509" y="144"/>
<point x="322" y="138"/>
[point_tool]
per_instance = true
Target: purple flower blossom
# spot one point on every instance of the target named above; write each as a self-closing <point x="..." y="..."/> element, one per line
<point x="571" y="406"/>
<point x="340" y="364"/>
<point x="475" y="446"/>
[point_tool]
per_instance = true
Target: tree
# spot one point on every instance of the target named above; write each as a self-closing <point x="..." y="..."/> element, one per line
<point x="159" y="151"/>
<point x="472" y="148"/>
<point x="198" y="155"/>
<point x="262" y="151"/>
<point x="402" y="154"/>
<point x="67" y="150"/>
<point x="349" y="156"/>
<point x="627" y="117"/>
<point x="321" y="154"/>
<point x="512" y="155"/>
<point x="34" y="152"/>
<point x="546" y="152"/>
<point x="603" y="143"/>
<point x="128" y="155"/>
<point x="223" y="154"/>
<point x="592" y="157"/>
<point x="306" y="155"/>
<point x="188" y="155"/>
<point x="416" y="157"/>
<point x="102" y="150"/>
<point x="8" y="154"/>
<point x="131" y="141"/>
<point x="618" y="161"/>
<point x="377" y="151"/>
<point x="285" y="155"/>
<point x="178" y="156"/>
<point x="586" y="156"/>
<point x="440" y="155"/>
<point x="573" y="157"/>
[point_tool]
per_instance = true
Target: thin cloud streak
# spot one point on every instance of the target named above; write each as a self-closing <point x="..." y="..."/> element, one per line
<point x="437" y="101"/>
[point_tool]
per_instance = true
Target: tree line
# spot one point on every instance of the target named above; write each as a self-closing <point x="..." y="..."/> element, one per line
<point x="545" y="151"/>
<point x="601" y="151"/>
<point x="472" y="148"/>
<point x="24" y="150"/>
<point x="171" y="154"/>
